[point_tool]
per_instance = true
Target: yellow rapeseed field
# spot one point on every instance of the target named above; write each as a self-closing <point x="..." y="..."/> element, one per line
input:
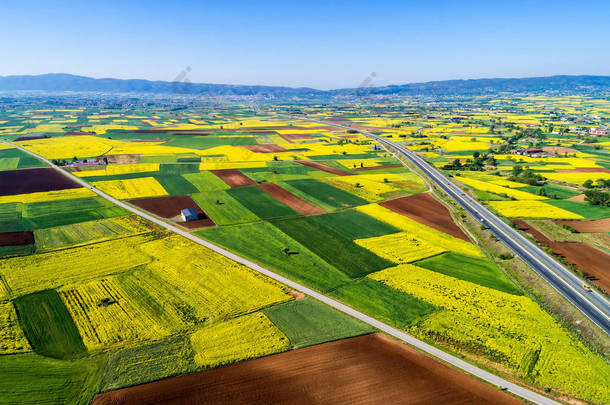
<point x="131" y="188"/>
<point x="66" y="194"/>
<point x="531" y="209"/>
<point x="401" y="247"/>
<point x="493" y="188"/>
<point x="197" y="285"/>
<point x="421" y="231"/>
<point x="111" y="170"/>
<point x="509" y="329"/>
<point x="106" y="316"/>
<point x="12" y="339"/>
<point x="577" y="178"/>
<point x="241" y="338"/>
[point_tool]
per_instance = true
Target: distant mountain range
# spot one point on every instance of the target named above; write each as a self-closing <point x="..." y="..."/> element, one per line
<point x="66" y="82"/>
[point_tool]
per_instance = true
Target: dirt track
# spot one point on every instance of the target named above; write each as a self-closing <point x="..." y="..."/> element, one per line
<point x="425" y="209"/>
<point x="324" y="168"/>
<point x="24" y="181"/>
<point x="593" y="261"/>
<point x="291" y="200"/>
<point x="371" y="369"/>
<point x="233" y="177"/>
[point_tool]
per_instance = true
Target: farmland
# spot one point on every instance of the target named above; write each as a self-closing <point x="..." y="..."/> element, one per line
<point x="110" y="301"/>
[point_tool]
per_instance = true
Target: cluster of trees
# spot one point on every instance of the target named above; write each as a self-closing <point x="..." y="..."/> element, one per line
<point x="526" y="176"/>
<point x="514" y="139"/>
<point x="598" y="197"/>
<point x="477" y="163"/>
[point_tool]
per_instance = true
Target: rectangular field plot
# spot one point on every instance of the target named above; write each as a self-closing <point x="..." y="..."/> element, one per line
<point x="309" y="322"/>
<point x="87" y="232"/>
<point x="323" y="195"/>
<point x="206" y="181"/>
<point x="298" y="262"/>
<point x="33" y="379"/>
<point x="106" y="316"/>
<point x="48" y="325"/>
<point x="33" y="181"/>
<point x="331" y="246"/>
<point x="148" y="362"/>
<point x="354" y="224"/>
<point x="242" y="338"/>
<point x="223" y="208"/>
<point x="17" y="159"/>
<point x="260" y="203"/>
<point x="131" y="188"/>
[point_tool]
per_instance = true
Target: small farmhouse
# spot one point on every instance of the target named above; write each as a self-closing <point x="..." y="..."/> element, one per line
<point x="189" y="214"/>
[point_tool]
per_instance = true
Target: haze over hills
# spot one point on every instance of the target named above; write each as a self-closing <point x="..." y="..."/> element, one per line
<point x="68" y="82"/>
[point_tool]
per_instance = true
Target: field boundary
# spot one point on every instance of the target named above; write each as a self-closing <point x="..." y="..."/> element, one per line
<point x="396" y="333"/>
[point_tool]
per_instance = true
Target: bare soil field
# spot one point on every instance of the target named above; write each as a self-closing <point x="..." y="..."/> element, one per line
<point x="324" y="168"/>
<point x="558" y="149"/>
<point x="27" y="181"/>
<point x="78" y="133"/>
<point x="124" y="159"/>
<point x="265" y="148"/>
<point x="29" y="137"/>
<point x="370" y="369"/>
<point x="426" y="209"/>
<point x="577" y="198"/>
<point x="591" y="260"/>
<point x="598" y="225"/>
<point x="169" y="207"/>
<point x="233" y="177"/>
<point x="16" y="238"/>
<point x="293" y="137"/>
<point x="299" y="205"/>
<point x="364" y="169"/>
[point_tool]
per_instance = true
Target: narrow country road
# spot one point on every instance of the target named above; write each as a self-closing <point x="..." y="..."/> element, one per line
<point x="592" y="304"/>
<point x="424" y="347"/>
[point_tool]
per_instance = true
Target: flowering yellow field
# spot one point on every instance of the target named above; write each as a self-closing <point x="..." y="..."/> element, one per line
<point x="421" y="231"/>
<point x="241" y="338"/>
<point x="356" y="163"/>
<point x="493" y="188"/>
<point x="12" y="339"/>
<point x="101" y="129"/>
<point x="219" y="165"/>
<point x="106" y="316"/>
<point x="531" y="209"/>
<point x="188" y="279"/>
<point x="577" y="178"/>
<point x="454" y="146"/>
<point x="27" y="274"/>
<point x="111" y="170"/>
<point x="131" y="188"/>
<point x="401" y="247"/>
<point x="66" y="194"/>
<point x="372" y="187"/>
<point x="489" y="178"/>
<point x="509" y="329"/>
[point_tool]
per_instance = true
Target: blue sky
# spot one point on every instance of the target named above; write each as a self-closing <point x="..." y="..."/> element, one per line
<point x="314" y="43"/>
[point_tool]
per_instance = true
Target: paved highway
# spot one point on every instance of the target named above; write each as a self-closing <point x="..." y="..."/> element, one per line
<point x="592" y="304"/>
<point x="431" y="350"/>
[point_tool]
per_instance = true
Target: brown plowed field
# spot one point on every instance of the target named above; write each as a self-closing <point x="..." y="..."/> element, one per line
<point x="324" y="168"/>
<point x="370" y="369"/>
<point x="233" y="177"/>
<point x="425" y="209"/>
<point x="558" y="149"/>
<point x="293" y="137"/>
<point x="592" y="261"/>
<point x="30" y="137"/>
<point x="584" y="170"/>
<point x="577" y="198"/>
<point x="265" y="148"/>
<point x="291" y="200"/>
<point x="33" y="181"/>
<point x="598" y="225"/>
<point x="364" y="169"/>
<point x="170" y="207"/>
<point x="16" y="238"/>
